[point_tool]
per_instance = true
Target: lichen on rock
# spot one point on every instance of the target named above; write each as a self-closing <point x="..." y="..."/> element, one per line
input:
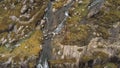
<point x="89" y="37"/>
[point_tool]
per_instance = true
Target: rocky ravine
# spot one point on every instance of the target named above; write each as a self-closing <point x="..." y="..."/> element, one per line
<point x="63" y="33"/>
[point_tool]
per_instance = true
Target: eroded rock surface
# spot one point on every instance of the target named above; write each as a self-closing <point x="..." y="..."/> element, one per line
<point x="77" y="33"/>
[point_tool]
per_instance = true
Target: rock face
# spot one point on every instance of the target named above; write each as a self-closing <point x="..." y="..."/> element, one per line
<point x="71" y="33"/>
<point x="20" y="34"/>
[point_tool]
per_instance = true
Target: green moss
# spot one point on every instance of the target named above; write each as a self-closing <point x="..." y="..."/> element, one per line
<point x="14" y="11"/>
<point x="103" y="31"/>
<point x="4" y="53"/>
<point x="80" y="50"/>
<point x="110" y="65"/>
<point x="79" y="12"/>
<point x="3" y="50"/>
<point x="97" y="66"/>
<point x="105" y="19"/>
<point x="73" y="20"/>
<point x="60" y="61"/>
<point x="76" y="34"/>
<point x="101" y="46"/>
<point x="59" y="4"/>
<point x="3" y="35"/>
<point x="101" y="55"/>
<point x="28" y="48"/>
<point x="86" y="58"/>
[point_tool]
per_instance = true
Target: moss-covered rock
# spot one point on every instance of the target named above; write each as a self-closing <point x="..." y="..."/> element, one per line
<point x="20" y="40"/>
<point x="97" y="66"/>
<point x="29" y="48"/>
<point x="86" y="58"/>
<point x="101" y="55"/>
<point x="110" y="65"/>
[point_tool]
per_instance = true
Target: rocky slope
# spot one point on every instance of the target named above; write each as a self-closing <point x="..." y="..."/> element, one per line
<point x="64" y="33"/>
